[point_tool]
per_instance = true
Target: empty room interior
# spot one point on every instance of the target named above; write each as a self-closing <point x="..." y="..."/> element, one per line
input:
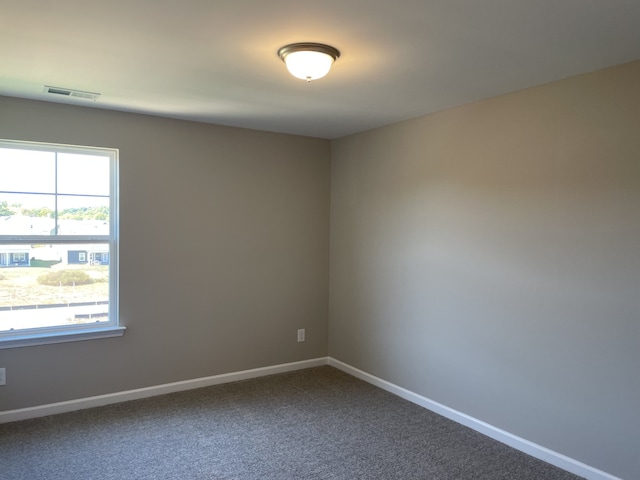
<point x="451" y="214"/>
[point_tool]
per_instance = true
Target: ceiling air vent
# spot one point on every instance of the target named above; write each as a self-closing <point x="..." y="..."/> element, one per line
<point x="68" y="92"/>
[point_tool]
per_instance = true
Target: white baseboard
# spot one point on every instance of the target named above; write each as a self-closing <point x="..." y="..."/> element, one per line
<point x="530" y="448"/>
<point x="110" y="398"/>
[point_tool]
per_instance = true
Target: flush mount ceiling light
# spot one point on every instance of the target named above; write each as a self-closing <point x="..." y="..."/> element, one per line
<point x="308" y="61"/>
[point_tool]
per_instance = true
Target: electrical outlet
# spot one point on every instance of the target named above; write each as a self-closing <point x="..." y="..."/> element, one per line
<point x="301" y="335"/>
<point x="3" y="376"/>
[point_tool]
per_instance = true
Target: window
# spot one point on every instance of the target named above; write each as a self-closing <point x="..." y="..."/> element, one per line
<point x="58" y="243"/>
<point x="19" y="258"/>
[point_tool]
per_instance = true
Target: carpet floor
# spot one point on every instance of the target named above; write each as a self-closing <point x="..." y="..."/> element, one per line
<point x="318" y="423"/>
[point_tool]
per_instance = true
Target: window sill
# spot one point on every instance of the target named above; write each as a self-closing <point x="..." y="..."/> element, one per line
<point x="61" y="337"/>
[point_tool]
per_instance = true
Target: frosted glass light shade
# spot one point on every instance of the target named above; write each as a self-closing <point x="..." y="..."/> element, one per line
<point x="308" y="65"/>
<point x="308" y="61"/>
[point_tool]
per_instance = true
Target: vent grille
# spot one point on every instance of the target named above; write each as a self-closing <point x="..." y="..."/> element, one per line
<point x="68" y="92"/>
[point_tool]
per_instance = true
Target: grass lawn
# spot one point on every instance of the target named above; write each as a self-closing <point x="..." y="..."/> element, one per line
<point x="19" y="286"/>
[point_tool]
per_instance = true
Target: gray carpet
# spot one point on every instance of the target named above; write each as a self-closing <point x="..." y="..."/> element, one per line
<point x="311" y="424"/>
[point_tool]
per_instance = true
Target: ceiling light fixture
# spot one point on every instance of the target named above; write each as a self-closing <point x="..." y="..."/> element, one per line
<point x="308" y="61"/>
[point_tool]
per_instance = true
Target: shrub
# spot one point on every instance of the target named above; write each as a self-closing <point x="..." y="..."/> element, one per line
<point x="66" y="278"/>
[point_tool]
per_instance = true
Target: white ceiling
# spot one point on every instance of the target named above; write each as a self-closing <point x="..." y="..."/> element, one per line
<point x="215" y="60"/>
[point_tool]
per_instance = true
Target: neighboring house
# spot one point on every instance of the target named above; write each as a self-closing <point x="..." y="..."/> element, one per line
<point x="88" y="255"/>
<point x="21" y="255"/>
<point x="14" y="256"/>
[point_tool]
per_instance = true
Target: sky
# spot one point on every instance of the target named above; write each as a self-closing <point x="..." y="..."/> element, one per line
<point x="29" y="171"/>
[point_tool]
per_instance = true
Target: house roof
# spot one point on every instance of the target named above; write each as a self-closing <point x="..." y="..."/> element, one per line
<point x="25" y="225"/>
<point x="215" y="61"/>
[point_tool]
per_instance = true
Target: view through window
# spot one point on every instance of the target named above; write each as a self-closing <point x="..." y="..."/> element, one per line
<point x="58" y="238"/>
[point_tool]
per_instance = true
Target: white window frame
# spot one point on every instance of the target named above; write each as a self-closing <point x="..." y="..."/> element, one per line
<point x="89" y="331"/>
<point x="19" y="257"/>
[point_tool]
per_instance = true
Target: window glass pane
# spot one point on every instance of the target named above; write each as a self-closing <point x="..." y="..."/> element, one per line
<point x="83" y="215"/>
<point x="22" y="214"/>
<point x="83" y="174"/>
<point x="27" y="171"/>
<point x="56" y="285"/>
<point x="53" y="285"/>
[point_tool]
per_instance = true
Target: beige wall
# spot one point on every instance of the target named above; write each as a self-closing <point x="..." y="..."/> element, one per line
<point x="488" y="257"/>
<point x="223" y="253"/>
